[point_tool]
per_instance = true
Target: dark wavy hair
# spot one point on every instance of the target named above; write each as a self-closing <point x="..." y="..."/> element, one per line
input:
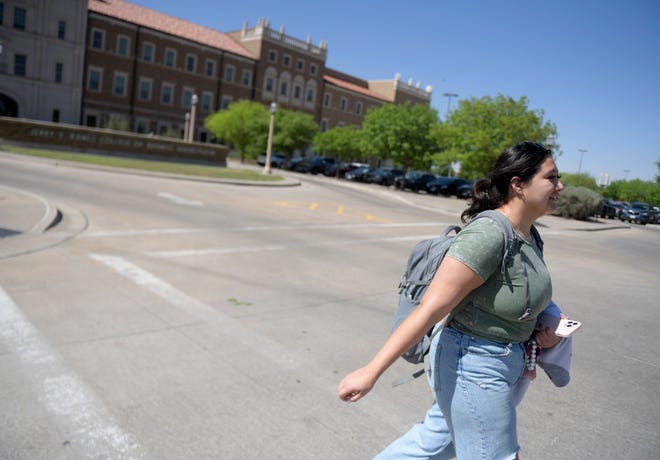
<point x="522" y="161"/>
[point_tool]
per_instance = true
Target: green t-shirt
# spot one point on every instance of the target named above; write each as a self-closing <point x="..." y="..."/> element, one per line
<point x="496" y="310"/>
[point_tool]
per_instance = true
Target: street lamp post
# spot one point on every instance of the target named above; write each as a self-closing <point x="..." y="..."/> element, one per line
<point x="269" y="146"/>
<point x="550" y="141"/>
<point x="191" y="128"/>
<point x="186" y="126"/>
<point x="449" y="96"/>
<point x="582" y="152"/>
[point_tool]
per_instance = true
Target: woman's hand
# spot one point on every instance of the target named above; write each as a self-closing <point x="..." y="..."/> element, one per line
<point x="356" y="385"/>
<point x="546" y="338"/>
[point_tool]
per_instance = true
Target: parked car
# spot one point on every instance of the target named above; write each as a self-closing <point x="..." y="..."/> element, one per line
<point x="382" y="176"/>
<point x="636" y="212"/>
<point x="446" y="185"/>
<point x="277" y="160"/>
<point x="331" y="170"/>
<point x="291" y="163"/>
<point x="313" y="165"/>
<point x="414" y="180"/>
<point x="610" y="209"/>
<point x="357" y="175"/>
<point x="465" y="190"/>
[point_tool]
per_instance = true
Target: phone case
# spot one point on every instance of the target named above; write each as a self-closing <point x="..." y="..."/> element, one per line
<point x="567" y="327"/>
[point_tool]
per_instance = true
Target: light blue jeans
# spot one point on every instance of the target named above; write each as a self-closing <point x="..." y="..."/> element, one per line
<point x="474" y="414"/>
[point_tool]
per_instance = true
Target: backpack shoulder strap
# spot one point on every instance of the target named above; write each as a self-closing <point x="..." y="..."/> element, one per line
<point x="507" y="230"/>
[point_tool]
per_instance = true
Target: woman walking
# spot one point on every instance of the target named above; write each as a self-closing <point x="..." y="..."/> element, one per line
<point x="478" y="356"/>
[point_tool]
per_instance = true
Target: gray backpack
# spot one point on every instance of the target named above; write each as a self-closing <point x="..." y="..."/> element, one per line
<point x="423" y="262"/>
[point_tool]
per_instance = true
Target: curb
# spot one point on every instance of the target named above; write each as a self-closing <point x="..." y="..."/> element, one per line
<point x="285" y="182"/>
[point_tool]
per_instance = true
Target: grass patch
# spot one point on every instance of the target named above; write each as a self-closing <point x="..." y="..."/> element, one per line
<point x="190" y="169"/>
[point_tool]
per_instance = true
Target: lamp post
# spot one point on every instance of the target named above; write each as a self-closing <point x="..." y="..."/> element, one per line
<point x="269" y="146"/>
<point x="191" y="128"/>
<point x="186" y="126"/>
<point x="550" y="141"/>
<point x="449" y="96"/>
<point x="582" y="152"/>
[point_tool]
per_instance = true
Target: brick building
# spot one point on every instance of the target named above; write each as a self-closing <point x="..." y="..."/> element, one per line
<point x="120" y="63"/>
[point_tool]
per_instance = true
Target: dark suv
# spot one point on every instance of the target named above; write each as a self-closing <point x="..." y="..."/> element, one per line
<point x="314" y="165"/>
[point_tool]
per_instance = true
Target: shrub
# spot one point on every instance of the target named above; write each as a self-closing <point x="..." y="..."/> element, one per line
<point x="578" y="203"/>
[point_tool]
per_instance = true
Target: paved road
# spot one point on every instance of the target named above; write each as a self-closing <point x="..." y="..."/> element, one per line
<point x="169" y="319"/>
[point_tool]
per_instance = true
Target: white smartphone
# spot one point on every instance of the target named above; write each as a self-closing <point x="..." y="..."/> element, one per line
<point x="567" y="326"/>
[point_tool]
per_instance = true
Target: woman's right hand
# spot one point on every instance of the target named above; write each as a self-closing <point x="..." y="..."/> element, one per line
<point x="356" y="385"/>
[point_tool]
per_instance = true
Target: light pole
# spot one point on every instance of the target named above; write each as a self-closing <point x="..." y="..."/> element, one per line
<point x="582" y="152"/>
<point x="191" y="128"/>
<point x="449" y="96"/>
<point x="550" y="141"/>
<point x="186" y="126"/>
<point x="269" y="146"/>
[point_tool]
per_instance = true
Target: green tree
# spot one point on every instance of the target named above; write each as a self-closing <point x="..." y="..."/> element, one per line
<point x="244" y="125"/>
<point x="479" y="130"/>
<point x="580" y="180"/>
<point x="402" y="133"/>
<point x="342" y="142"/>
<point x="293" y="131"/>
<point x="634" y="190"/>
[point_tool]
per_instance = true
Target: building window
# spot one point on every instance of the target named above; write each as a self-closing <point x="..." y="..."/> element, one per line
<point x="186" y="98"/>
<point x="141" y="126"/>
<point x="324" y="125"/>
<point x="310" y="95"/>
<point x="286" y="60"/>
<point x="270" y="83"/>
<point x="61" y="30"/>
<point x="358" y="108"/>
<point x="207" y="99"/>
<point x="210" y="68"/>
<point x="312" y="69"/>
<point x="148" y="52"/>
<point x="94" y="79"/>
<point x="98" y="39"/>
<point x="59" y="67"/>
<point x="247" y="77"/>
<point x="342" y="104"/>
<point x="2" y="12"/>
<point x="20" y="64"/>
<point x="144" y="92"/>
<point x="119" y="84"/>
<point x="191" y="63"/>
<point x="229" y="73"/>
<point x="91" y="120"/>
<point x="300" y="65"/>
<point x="327" y="99"/>
<point x="19" y="18"/>
<point x="272" y="56"/>
<point x="56" y="115"/>
<point x="296" y="91"/>
<point x="226" y="101"/>
<point x="170" y="57"/>
<point x="122" y="45"/>
<point x="284" y="89"/>
<point x="167" y="94"/>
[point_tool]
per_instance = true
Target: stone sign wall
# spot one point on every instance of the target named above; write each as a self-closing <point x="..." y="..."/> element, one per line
<point x="95" y="140"/>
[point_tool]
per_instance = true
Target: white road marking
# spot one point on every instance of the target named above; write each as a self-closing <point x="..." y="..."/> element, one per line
<point x="179" y="200"/>
<point x="244" y="337"/>
<point x="266" y="228"/>
<point x="245" y="249"/>
<point x="81" y="415"/>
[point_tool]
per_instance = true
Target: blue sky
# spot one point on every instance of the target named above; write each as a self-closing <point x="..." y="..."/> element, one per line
<point x="592" y="66"/>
